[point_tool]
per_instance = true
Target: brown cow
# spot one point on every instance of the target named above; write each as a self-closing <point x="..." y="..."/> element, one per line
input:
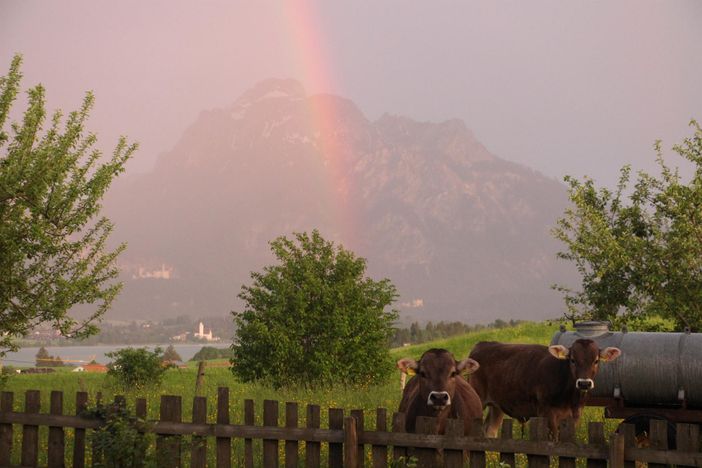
<point x="525" y="380"/>
<point x="439" y="390"/>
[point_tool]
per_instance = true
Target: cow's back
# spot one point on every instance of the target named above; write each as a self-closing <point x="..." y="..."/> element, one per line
<point x="508" y="372"/>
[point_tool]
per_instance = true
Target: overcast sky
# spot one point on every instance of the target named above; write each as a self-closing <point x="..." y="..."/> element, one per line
<point x="564" y="87"/>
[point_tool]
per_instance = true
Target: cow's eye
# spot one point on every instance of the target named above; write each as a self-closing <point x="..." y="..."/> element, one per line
<point x="454" y="374"/>
<point x="422" y="373"/>
<point x="597" y="361"/>
<point x="572" y="361"/>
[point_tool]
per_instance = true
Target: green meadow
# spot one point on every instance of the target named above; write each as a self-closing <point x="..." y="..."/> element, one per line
<point x="182" y="382"/>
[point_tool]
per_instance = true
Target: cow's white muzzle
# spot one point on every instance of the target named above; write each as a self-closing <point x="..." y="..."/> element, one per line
<point x="584" y="384"/>
<point x="439" y="399"/>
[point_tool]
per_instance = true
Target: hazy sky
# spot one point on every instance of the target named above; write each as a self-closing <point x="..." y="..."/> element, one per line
<point x="564" y="87"/>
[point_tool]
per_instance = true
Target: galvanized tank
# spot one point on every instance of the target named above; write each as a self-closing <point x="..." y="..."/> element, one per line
<point x="654" y="368"/>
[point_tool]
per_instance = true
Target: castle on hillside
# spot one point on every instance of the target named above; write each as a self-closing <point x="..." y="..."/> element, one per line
<point x="200" y="334"/>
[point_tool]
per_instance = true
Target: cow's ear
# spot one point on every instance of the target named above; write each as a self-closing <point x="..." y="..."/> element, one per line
<point x="467" y="366"/>
<point x="610" y="354"/>
<point x="559" y="351"/>
<point x="407" y="366"/>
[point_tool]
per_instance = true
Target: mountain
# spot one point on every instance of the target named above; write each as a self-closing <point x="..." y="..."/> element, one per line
<point x="463" y="234"/>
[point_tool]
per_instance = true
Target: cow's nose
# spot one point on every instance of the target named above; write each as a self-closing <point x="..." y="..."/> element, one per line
<point x="439" y="399"/>
<point x="585" y="384"/>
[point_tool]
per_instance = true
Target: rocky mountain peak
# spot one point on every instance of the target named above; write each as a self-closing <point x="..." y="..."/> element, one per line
<point x="273" y="88"/>
<point x="457" y="229"/>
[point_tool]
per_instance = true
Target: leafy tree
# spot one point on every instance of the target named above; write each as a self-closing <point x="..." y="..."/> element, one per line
<point x="52" y="237"/>
<point x="638" y="249"/>
<point x="42" y="357"/>
<point x="137" y="367"/>
<point x="210" y="352"/>
<point x="171" y="355"/>
<point x="314" y="318"/>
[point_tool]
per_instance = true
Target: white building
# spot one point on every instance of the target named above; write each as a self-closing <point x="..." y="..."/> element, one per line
<point x="200" y="334"/>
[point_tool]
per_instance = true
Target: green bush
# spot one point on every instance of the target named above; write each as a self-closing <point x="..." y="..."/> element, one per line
<point x="137" y="367"/>
<point x="314" y="318"/>
<point x="119" y="440"/>
<point x="210" y="352"/>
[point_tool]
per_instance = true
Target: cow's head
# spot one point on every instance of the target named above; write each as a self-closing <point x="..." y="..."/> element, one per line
<point x="584" y="357"/>
<point x="437" y="371"/>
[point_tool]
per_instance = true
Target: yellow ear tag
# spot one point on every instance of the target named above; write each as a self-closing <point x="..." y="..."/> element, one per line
<point x="410" y="371"/>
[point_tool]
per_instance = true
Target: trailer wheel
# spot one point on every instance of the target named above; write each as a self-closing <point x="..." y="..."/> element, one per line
<point x="641" y="423"/>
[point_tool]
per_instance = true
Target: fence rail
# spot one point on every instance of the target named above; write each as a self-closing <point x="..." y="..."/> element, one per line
<point x="346" y="442"/>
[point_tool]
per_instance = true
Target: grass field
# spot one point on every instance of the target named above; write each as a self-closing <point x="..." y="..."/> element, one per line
<point x="182" y="382"/>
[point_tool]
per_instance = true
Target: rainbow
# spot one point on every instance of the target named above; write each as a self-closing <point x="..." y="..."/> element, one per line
<point x="314" y="69"/>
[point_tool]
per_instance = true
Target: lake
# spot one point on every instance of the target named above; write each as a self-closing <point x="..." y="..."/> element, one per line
<point x="26" y="357"/>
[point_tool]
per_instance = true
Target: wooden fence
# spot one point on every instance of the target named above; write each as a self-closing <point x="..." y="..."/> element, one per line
<point x="345" y="442"/>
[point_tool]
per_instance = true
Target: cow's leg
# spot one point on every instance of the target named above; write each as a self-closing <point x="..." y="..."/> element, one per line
<point x="552" y="418"/>
<point x="493" y="421"/>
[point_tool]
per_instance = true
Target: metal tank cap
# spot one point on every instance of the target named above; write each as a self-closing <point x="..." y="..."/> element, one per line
<point x="591" y="328"/>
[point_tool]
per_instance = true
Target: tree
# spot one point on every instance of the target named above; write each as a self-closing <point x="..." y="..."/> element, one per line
<point x="638" y="249"/>
<point x="171" y="355"/>
<point x="210" y="352"/>
<point x="42" y="357"/>
<point x="313" y="318"/>
<point x="52" y="237"/>
<point x="137" y="367"/>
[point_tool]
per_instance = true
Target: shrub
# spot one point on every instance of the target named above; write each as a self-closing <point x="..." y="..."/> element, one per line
<point x="137" y="367"/>
<point x="314" y="318"/>
<point x="210" y="352"/>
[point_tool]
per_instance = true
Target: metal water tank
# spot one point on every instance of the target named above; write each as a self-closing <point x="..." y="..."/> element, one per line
<point x="653" y="369"/>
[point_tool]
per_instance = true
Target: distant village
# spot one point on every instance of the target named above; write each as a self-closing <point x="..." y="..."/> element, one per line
<point x="199" y="335"/>
<point x="182" y="329"/>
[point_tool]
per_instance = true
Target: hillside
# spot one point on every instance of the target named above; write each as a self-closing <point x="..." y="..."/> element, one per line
<point x="461" y="345"/>
<point x="462" y="233"/>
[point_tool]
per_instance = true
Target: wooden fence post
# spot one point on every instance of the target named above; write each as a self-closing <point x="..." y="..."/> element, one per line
<point x="224" y="444"/>
<point x="595" y="437"/>
<point x="659" y="438"/>
<point x="291" y="446"/>
<point x="361" y="457"/>
<point x="30" y="434"/>
<point x="200" y="379"/>
<point x="140" y="413"/>
<point x="168" y="446"/>
<point x="336" y="451"/>
<point x="270" y="446"/>
<point x="426" y="457"/>
<point x="79" y="434"/>
<point x="248" y="443"/>
<point x="566" y="435"/>
<point x="56" y="445"/>
<point x="628" y="432"/>
<point x="6" y="401"/>
<point x="198" y="451"/>
<point x="477" y="458"/>
<point x="312" y="449"/>
<point x="380" y="452"/>
<point x="398" y="425"/>
<point x="688" y="437"/>
<point x="507" y="458"/>
<point x="454" y="458"/>
<point x="350" y="443"/>
<point x="538" y="432"/>
<point x="616" y="450"/>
